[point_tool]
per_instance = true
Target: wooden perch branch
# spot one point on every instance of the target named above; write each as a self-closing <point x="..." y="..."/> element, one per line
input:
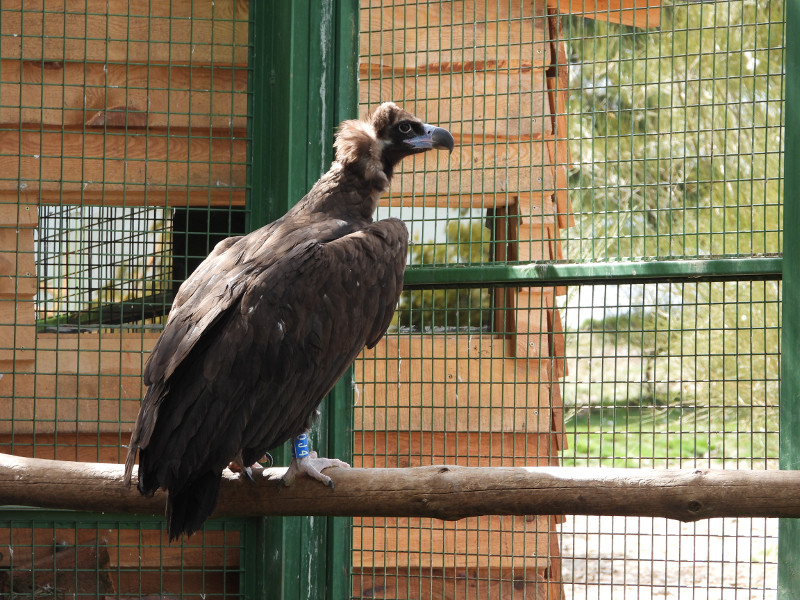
<point x="443" y="492"/>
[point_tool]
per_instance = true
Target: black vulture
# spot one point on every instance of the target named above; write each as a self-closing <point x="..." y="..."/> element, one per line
<point x="261" y="331"/>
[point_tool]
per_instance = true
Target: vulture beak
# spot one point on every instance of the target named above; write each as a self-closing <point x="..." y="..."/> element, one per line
<point x="434" y="137"/>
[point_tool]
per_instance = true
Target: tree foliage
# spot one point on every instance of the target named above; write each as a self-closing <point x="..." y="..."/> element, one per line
<point x="676" y="133"/>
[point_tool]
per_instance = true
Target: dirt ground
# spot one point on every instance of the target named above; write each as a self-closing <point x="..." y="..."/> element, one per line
<point x="613" y="558"/>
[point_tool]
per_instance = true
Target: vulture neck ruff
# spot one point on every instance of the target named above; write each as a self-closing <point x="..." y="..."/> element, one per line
<point x="359" y="150"/>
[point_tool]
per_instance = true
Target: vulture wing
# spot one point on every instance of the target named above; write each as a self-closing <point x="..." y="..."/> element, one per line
<point x="264" y="349"/>
<point x="220" y="281"/>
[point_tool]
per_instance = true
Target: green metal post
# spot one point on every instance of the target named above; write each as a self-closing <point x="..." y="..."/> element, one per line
<point x="789" y="531"/>
<point x="304" y="81"/>
<point x="339" y="403"/>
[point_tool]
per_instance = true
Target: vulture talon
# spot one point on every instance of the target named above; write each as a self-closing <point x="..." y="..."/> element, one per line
<point x="246" y="472"/>
<point x="269" y="322"/>
<point x="312" y="465"/>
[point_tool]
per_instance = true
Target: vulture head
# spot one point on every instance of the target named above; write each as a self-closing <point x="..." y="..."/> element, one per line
<point x="373" y="146"/>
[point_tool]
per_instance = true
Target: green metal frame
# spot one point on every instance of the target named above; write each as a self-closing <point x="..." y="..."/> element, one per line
<point x="547" y="274"/>
<point x="789" y="529"/>
<point x="304" y="82"/>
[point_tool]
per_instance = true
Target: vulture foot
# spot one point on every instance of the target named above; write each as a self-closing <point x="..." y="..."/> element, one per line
<point x="312" y="465"/>
<point x="237" y="467"/>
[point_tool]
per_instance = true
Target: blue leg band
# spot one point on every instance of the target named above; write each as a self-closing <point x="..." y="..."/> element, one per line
<point x="300" y="446"/>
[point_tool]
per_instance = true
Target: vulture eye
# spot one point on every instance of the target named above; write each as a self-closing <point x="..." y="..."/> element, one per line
<point x="404" y="127"/>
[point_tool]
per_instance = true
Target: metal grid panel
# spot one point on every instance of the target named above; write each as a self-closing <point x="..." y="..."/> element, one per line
<point x="94" y="262"/>
<point x="123" y="159"/>
<point x="665" y="134"/>
<point x="677" y="134"/>
<point x="680" y="375"/>
<point x="693" y="199"/>
<point x="53" y="555"/>
<point x="465" y="374"/>
<point x="124" y="137"/>
<point x="690" y="371"/>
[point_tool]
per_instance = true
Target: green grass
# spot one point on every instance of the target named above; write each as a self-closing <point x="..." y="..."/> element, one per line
<point x="658" y="437"/>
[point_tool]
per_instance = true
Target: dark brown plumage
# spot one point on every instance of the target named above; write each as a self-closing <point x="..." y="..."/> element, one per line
<point x="265" y="326"/>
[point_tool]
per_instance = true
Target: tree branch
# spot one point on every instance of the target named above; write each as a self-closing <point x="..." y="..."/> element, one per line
<point x="443" y="492"/>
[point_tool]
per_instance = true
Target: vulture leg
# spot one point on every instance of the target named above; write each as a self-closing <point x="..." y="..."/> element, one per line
<point x="308" y="462"/>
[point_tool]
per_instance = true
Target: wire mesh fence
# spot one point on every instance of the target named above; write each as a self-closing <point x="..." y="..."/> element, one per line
<point x="51" y="555"/>
<point x="674" y="375"/>
<point x="466" y="374"/>
<point x="584" y="134"/>
<point x="123" y="145"/>
<point x="677" y="133"/>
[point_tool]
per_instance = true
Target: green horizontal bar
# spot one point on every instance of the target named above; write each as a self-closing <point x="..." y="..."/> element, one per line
<point x="551" y="274"/>
<point x="63" y="518"/>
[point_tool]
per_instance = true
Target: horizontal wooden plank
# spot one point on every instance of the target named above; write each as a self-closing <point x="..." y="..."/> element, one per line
<point x="477" y="166"/>
<point x="440" y="382"/>
<point x="532" y="339"/>
<point x="133" y="95"/>
<point x="75" y="161"/>
<point x="115" y="353"/>
<point x="69" y="402"/>
<point x="17" y="261"/>
<point x="16" y="214"/>
<point x="17" y="329"/>
<point x="372" y="449"/>
<point x="79" y="382"/>
<point x="451" y="583"/>
<point x="400" y="449"/>
<point x="91" y="383"/>
<point x="19" y="286"/>
<point x="172" y="197"/>
<point x="636" y="13"/>
<point x="536" y="212"/>
<point x="127" y="548"/>
<point x="17" y="257"/>
<point x="415" y="35"/>
<point x="176" y="583"/>
<point x="533" y="207"/>
<point x="484" y="103"/>
<point x="452" y="201"/>
<point x="212" y="549"/>
<point x="180" y="31"/>
<point x="534" y="243"/>
<point x="72" y="446"/>
<point x="489" y="541"/>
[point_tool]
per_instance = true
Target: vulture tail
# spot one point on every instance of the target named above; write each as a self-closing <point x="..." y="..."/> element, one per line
<point x="189" y="507"/>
